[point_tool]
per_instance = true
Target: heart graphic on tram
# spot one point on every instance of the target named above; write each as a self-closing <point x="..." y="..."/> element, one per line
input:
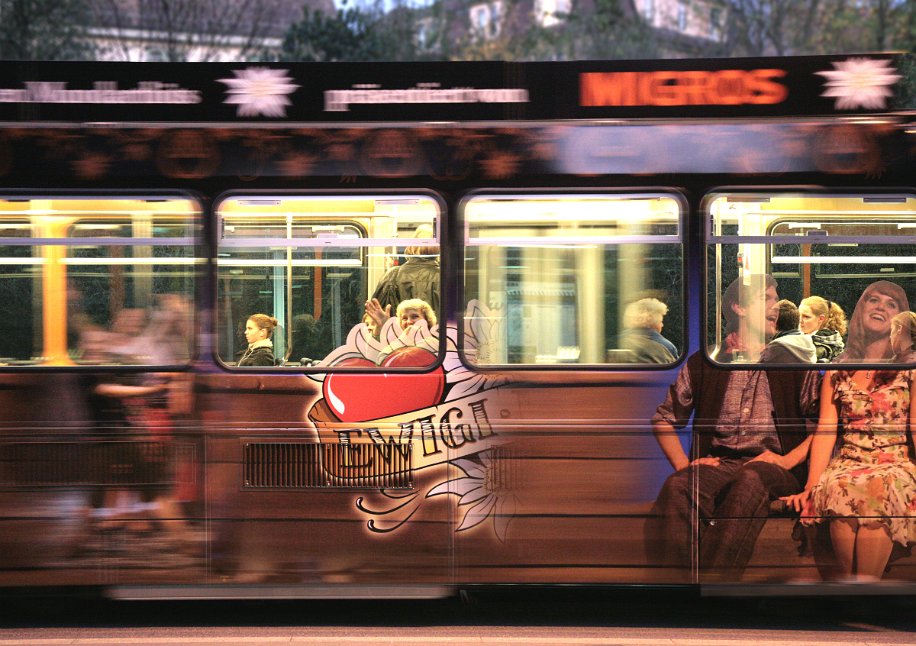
<point x="366" y="396"/>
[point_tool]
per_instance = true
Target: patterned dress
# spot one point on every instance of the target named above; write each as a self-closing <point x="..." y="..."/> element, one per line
<point x="872" y="477"/>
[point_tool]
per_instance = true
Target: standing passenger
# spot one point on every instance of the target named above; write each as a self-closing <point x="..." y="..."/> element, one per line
<point x="749" y="443"/>
<point x="418" y="277"/>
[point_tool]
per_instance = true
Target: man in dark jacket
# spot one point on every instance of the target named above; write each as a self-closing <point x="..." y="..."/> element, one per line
<point x="418" y="277"/>
<point x="749" y="444"/>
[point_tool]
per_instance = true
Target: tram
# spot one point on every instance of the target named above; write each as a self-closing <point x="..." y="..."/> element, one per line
<point x="147" y="211"/>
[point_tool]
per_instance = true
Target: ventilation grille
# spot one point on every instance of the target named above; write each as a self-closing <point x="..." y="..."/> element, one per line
<point x="88" y="463"/>
<point x="290" y="465"/>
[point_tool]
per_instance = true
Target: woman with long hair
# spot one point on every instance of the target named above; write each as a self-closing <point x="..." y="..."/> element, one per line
<point x="825" y="322"/>
<point x="867" y="492"/>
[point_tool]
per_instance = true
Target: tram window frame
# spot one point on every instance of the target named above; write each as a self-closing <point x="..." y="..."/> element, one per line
<point x="813" y="217"/>
<point x="61" y="336"/>
<point x="349" y="347"/>
<point x="598" y="353"/>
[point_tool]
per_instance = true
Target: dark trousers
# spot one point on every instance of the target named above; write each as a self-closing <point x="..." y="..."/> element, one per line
<point x="720" y="509"/>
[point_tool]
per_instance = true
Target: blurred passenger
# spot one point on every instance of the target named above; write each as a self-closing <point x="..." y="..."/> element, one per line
<point x="644" y="322"/>
<point x="789" y="345"/>
<point x="260" y="351"/>
<point x="825" y="321"/>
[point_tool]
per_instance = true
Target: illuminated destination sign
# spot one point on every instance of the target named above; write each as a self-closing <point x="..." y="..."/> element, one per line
<point x="152" y="92"/>
<point x="680" y="88"/>
<point x="340" y="100"/>
<point x="449" y="91"/>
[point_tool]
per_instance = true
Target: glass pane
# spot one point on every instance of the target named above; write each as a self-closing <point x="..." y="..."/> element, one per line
<point x="20" y="286"/>
<point x="818" y="253"/>
<point x="118" y="288"/>
<point x="578" y="279"/>
<point x="312" y="262"/>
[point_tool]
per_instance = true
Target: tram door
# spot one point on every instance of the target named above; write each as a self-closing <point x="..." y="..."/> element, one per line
<point x="810" y="244"/>
<point x="566" y="293"/>
<point x="99" y="448"/>
<point x="319" y="461"/>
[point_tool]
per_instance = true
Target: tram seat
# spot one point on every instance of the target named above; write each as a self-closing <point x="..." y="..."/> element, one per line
<point x="780" y="555"/>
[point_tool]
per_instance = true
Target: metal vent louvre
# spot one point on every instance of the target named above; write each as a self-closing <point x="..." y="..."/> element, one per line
<point x="291" y="465"/>
<point x="90" y="463"/>
<point x="282" y="465"/>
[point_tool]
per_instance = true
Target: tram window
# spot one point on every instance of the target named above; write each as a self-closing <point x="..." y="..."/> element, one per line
<point x="311" y="262"/>
<point x="832" y="246"/>
<point x="554" y="280"/>
<point x="98" y="280"/>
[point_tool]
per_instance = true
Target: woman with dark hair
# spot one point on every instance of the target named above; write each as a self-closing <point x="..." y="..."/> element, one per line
<point x="867" y="492"/>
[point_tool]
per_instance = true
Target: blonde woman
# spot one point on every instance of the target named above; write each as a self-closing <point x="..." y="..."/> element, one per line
<point x="408" y="313"/>
<point x="825" y="321"/>
<point x="903" y="337"/>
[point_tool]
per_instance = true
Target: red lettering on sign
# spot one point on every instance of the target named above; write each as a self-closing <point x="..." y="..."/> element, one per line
<point x="678" y="88"/>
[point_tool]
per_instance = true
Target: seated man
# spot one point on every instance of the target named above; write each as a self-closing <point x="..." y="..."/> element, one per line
<point x="749" y="444"/>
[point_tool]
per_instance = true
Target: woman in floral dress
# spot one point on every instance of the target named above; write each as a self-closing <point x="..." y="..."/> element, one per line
<point x="867" y="492"/>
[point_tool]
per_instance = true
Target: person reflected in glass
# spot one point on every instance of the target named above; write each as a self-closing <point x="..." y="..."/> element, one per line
<point x="903" y="337"/>
<point x="789" y="345"/>
<point x="867" y="492"/>
<point x="869" y="337"/>
<point x="825" y="321"/>
<point x="260" y="350"/>
<point x="750" y="306"/>
<point x="748" y="444"/>
<point x="644" y="320"/>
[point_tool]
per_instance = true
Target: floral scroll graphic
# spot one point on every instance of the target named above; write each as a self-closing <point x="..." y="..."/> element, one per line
<point x="443" y="414"/>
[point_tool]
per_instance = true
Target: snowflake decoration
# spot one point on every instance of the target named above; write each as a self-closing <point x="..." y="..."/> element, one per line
<point x="260" y="91"/>
<point x="481" y="493"/>
<point x="860" y="83"/>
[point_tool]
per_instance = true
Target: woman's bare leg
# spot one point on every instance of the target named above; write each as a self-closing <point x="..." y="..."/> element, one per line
<point x="843" y="537"/>
<point x="873" y="549"/>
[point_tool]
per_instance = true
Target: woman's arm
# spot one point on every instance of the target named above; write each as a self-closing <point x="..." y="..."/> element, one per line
<point x="912" y="420"/>
<point x="821" y="444"/>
